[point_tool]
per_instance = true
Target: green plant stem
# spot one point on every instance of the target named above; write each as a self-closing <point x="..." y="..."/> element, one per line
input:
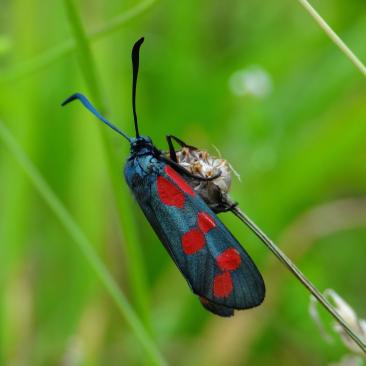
<point x="56" y="53"/>
<point x="135" y="267"/>
<point x="83" y="243"/>
<point x="333" y="36"/>
<point x="299" y="275"/>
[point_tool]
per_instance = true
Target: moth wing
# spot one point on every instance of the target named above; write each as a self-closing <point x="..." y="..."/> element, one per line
<point x="214" y="263"/>
<point x="216" y="309"/>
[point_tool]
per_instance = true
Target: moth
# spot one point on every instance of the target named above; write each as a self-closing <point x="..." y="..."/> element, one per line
<point x="181" y="205"/>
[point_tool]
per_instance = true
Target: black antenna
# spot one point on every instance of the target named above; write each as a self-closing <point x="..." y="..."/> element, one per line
<point x="135" y="68"/>
<point x="83" y="99"/>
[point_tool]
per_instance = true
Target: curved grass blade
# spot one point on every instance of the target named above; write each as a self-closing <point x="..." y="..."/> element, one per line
<point x="84" y="52"/>
<point x="54" y="54"/>
<point x="84" y="245"/>
<point x="135" y="268"/>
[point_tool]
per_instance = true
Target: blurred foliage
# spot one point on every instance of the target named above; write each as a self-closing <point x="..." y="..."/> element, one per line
<point x="298" y="144"/>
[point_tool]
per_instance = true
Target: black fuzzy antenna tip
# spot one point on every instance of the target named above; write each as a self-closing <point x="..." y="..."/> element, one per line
<point x="135" y="69"/>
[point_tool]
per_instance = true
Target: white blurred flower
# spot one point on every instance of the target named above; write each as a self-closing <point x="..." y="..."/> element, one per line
<point x="253" y="80"/>
<point x="349" y="360"/>
<point x="348" y="314"/>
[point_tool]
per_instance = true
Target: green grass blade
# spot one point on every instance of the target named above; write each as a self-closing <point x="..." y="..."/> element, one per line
<point x="136" y="272"/>
<point x="85" y="56"/>
<point x="54" y="54"/>
<point x="115" y="23"/>
<point x="83" y="243"/>
<point x="334" y="36"/>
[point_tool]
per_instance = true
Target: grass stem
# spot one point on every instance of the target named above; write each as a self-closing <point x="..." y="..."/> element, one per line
<point x="334" y="37"/>
<point x="299" y="275"/>
<point x="54" y="54"/>
<point x="87" y="64"/>
<point x="135" y="267"/>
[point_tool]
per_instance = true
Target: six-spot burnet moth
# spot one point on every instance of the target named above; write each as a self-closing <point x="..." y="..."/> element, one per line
<point x="181" y="206"/>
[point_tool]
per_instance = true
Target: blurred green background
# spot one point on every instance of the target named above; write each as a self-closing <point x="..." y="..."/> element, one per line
<point x="261" y="82"/>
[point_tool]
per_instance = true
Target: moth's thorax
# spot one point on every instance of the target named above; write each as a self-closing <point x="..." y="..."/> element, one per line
<point x="141" y="166"/>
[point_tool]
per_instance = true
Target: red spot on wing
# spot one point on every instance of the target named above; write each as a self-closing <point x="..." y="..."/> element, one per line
<point x="169" y="194"/>
<point x="205" y="222"/>
<point x="179" y="181"/>
<point x="223" y="285"/>
<point x="193" y="241"/>
<point x="229" y="260"/>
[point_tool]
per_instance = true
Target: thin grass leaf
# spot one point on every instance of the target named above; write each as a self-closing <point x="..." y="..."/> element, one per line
<point x="84" y="245"/>
<point x="54" y="54"/>
<point x="84" y="52"/>
<point x="334" y="36"/>
<point x="135" y="268"/>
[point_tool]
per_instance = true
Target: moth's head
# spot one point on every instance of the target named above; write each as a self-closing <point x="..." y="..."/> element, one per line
<point x="141" y="144"/>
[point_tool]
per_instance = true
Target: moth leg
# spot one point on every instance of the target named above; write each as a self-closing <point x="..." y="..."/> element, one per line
<point x="229" y="208"/>
<point x="223" y="205"/>
<point x="179" y="142"/>
<point x="172" y="153"/>
<point x="184" y="171"/>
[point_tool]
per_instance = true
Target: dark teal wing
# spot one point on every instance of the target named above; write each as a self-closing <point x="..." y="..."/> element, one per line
<point x="213" y="262"/>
